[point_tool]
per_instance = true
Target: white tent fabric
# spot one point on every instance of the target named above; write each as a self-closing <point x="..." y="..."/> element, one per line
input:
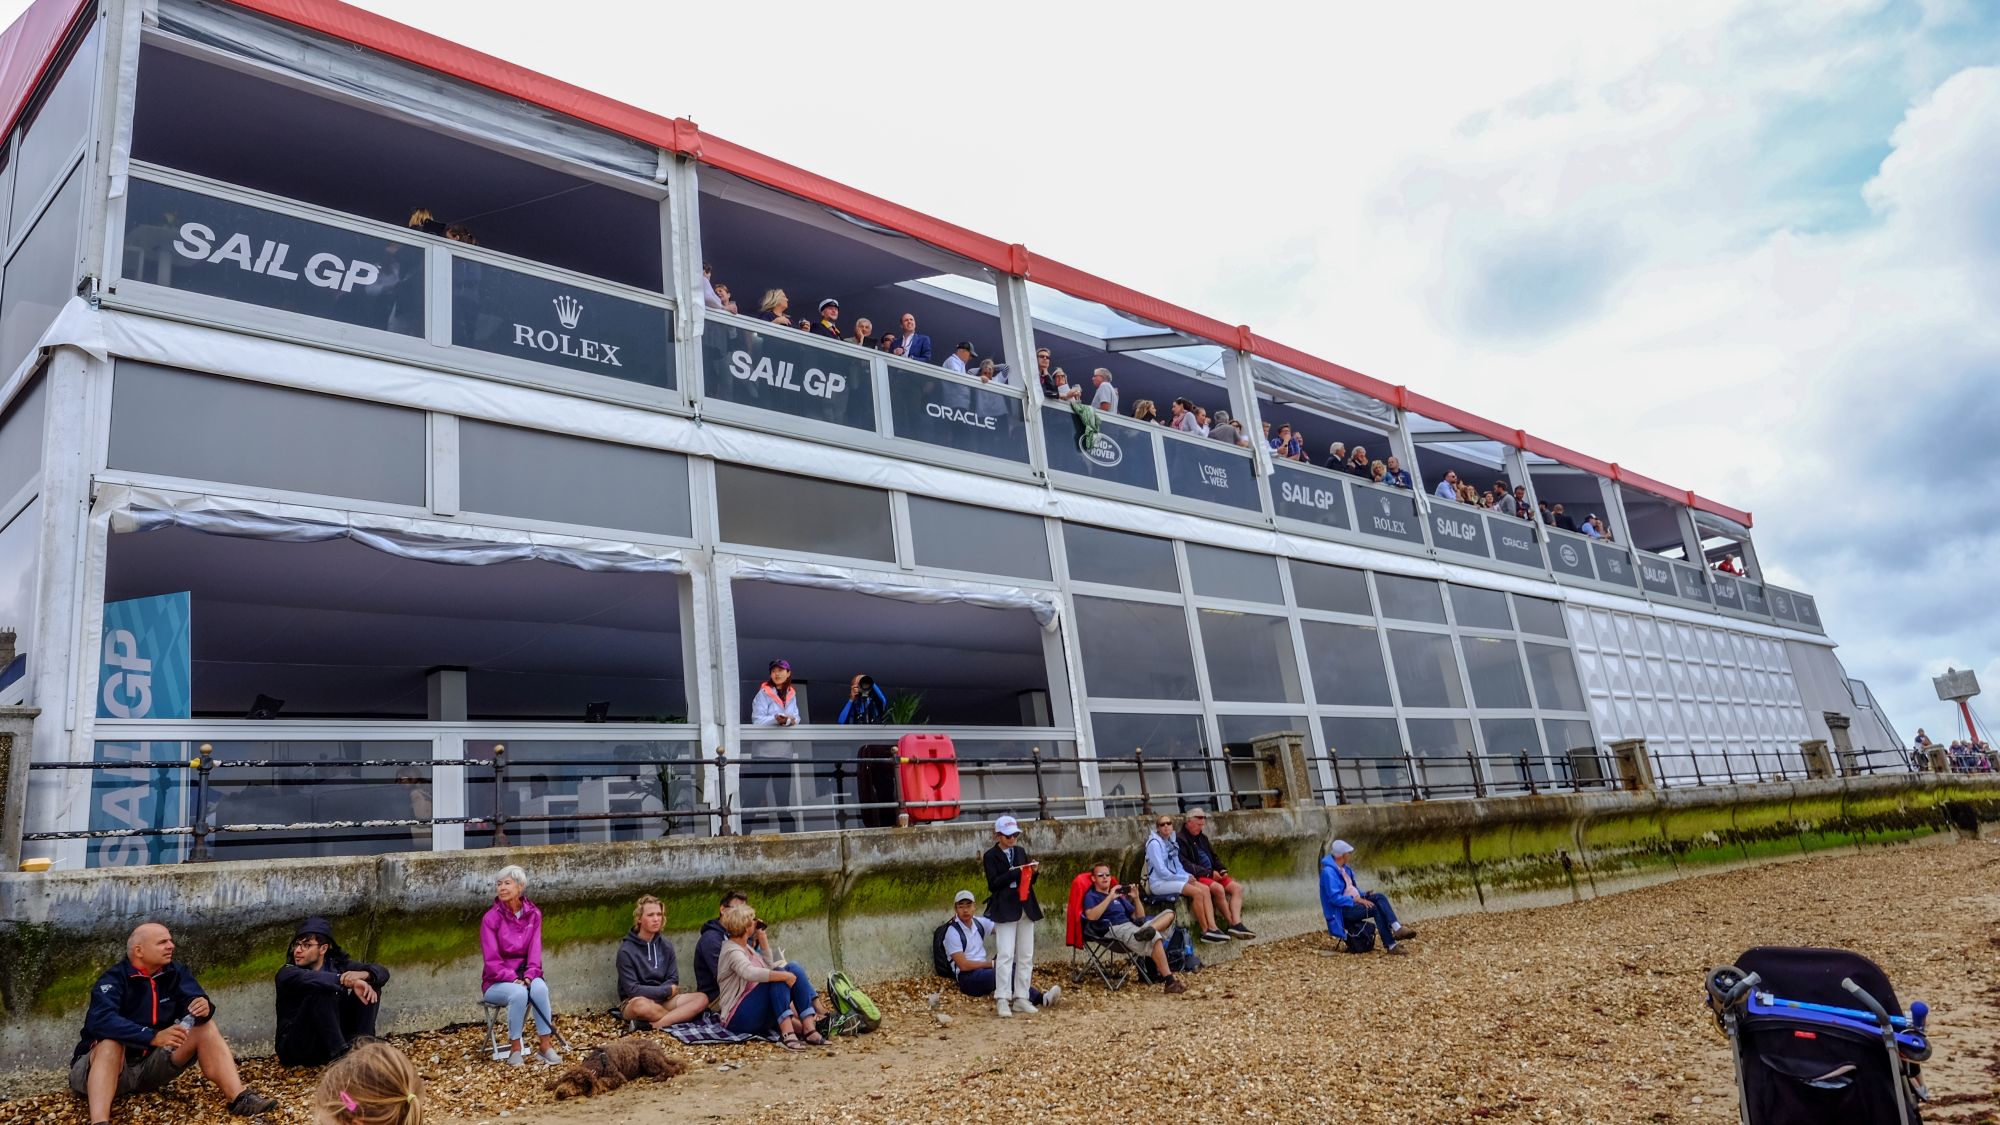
<point x="912" y="588"/>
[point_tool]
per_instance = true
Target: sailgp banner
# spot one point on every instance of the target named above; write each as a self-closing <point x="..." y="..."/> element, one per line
<point x="1514" y="541"/>
<point x="1212" y="472"/>
<point x="783" y="369"/>
<point x="1122" y="454"/>
<point x="1388" y="512"/>
<point x="956" y="415"/>
<point x="1307" y="496"/>
<point x="1458" y="529"/>
<point x="143" y="673"/>
<point x="200" y="244"/>
<point x="1657" y="576"/>
<point x="506" y="312"/>
<point x="1727" y="595"/>
<point x="1613" y="565"/>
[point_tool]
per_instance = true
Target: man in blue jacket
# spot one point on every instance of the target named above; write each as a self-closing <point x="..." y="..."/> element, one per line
<point x="913" y="344"/>
<point x="1346" y="905"/>
<point x="149" y="1020"/>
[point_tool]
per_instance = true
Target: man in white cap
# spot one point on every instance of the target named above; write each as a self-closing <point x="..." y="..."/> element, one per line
<point x="1356" y="905"/>
<point x="965" y="947"/>
<point x="829" y="319"/>
<point x="1010" y="903"/>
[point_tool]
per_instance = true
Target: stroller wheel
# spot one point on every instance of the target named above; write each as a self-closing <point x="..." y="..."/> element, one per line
<point x="1721" y="983"/>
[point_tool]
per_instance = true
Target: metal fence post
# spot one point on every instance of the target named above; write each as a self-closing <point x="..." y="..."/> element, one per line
<point x="1145" y="794"/>
<point x="1478" y="782"/>
<point x="499" y="794"/>
<point x="1339" y="790"/>
<point x="204" y="761"/>
<point x="1041" y="793"/>
<point x="1528" y="774"/>
<point x="1694" y="760"/>
<point x="722" y="792"/>
<point x="1418" y="775"/>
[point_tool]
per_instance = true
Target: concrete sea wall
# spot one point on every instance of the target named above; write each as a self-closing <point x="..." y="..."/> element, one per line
<point x="866" y="901"/>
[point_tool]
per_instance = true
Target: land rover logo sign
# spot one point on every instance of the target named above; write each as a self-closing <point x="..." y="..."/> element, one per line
<point x="1570" y="558"/>
<point x="220" y="248"/>
<point x="507" y="312"/>
<point x="1104" y="451"/>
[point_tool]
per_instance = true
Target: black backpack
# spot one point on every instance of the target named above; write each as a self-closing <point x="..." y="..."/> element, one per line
<point x="940" y="960"/>
<point x="1361" y="936"/>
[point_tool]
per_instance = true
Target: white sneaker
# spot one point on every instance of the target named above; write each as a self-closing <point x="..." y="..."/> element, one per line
<point x="549" y="1056"/>
<point x="1022" y="1006"/>
<point x="1050" y="997"/>
<point x="1003" y="1010"/>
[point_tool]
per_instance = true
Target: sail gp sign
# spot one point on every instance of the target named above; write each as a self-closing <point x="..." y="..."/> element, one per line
<point x="220" y="248"/>
<point x="787" y="371"/>
<point x="507" y="312"/>
<point x="1301" y="495"/>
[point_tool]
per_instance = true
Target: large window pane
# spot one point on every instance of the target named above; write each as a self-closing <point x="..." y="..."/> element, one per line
<point x="1119" y="559"/>
<point x="543" y="476"/>
<point x="1495" y="669"/>
<point x="1480" y="609"/>
<point x="1570" y="741"/>
<point x="181" y="424"/>
<point x="20" y="570"/>
<point x="1426" y="669"/>
<point x="1509" y="739"/>
<point x="1441" y="746"/>
<point x="1176" y="777"/>
<point x="1242" y="730"/>
<point x="1132" y="650"/>
<point x="1540" y="616"/>
<point x="1335" y="589"/>
<point x="1239" y="738"/>
<point x="1250" y="657"/>
<point x="56" y="130"/>
<point x="802" y="514"/>
<point x="962" y="537"/>
<point x="1554" y="673"/>
<point x="21" y="440"/>
<point x="1346" y="664"/>
<point x="41" y="277"/>
<point x="1410" y="599"/>
<point x="1220" y="573"/>
<point x="1367" y="758"/>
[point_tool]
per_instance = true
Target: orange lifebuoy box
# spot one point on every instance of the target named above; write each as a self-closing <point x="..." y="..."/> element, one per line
<point x="927" y="766"/>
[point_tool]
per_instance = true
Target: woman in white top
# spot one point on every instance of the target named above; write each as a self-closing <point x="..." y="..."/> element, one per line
<point x="776" y="704"/>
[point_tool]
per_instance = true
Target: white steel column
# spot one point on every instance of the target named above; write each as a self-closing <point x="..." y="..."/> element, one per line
<point x="1017" y="344"/>
<point x="1072" y="663"/>
<point x="1517" y="471"/>
<point x="680" y="249"/>
<point x="69" y="612"/>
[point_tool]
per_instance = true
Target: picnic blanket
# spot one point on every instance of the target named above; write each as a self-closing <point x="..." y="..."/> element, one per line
<point x="709" y="1029"/>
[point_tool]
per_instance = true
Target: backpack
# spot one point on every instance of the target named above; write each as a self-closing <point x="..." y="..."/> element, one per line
<point x="1361" y="937"/>
<point x="940" y="960"/>
<point x="850" y="1001"/>
<point x="1181" y="957"/>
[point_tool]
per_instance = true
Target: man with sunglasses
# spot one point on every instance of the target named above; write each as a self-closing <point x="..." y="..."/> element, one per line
<point x="1113" y="911"/>
<point x="326" y="999"/>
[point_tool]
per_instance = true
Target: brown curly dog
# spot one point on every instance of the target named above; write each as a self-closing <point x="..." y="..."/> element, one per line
<point x="614" y="1064"/>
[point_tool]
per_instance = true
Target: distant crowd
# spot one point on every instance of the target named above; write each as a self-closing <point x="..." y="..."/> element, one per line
<point x="1960" y="755"/>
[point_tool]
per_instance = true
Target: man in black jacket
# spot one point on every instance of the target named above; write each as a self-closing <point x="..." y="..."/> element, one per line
<point x="649" y="979"/>
<point x="149" y="1020"/>
<point x="1198" y="856"/>
<point x="326" y="999"/>
<point x="708" y="946"/>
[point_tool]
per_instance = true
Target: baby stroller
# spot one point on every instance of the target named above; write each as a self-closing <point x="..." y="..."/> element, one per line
<point x="1819" y="1037"/>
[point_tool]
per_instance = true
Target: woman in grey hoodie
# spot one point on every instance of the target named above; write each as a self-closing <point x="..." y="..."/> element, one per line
<point x="649" y="980"/>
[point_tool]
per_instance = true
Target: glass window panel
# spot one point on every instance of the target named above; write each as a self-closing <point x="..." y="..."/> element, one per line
<point x="1346" y="664"/>
<point x="1242" y="730"/>
<point x="1410" y="599"/>
<point x="543" y="476"/>
<point x="41" y="277"/>
<point x="21" y="439"/>
<point x="1480" y="609"/>
<point x="1220" y="573"/>
<point x="802" y="514"/>
<point x="1367" y="757"/>
<point x="1571" y="739"/>
<point x="1250" y="657"/>
<point x="1132" y="650"/>
<point x="1494" y="666"/>
<point x="1358" y="736"/>
<point x="1335" y="589"/>
<point x="983" y="540"/>
<point x="1173" y="744"/>
<point x="1509" y="738"/>
<point x="1554" y="673"/>
<point x="1119" y="558"/>
<point x="20" y="571"/>
<point x="1426" y="669"/>
<point x="181" y="424"/>
<point x="58" y="127"/>
<point x="1441" y="746"/>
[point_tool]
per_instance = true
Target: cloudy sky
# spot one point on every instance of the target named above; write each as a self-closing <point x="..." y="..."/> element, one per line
<point x="1749" y="248"/>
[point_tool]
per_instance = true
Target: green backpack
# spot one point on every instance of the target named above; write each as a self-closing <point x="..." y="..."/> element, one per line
<point x="853" y="1011"/>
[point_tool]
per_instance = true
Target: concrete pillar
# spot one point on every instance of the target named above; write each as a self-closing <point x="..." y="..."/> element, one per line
<point x="1282" y="765"/>
<point x="1819" y="763"/>
<point x="1844" y="757"/>
<point x="1634" y="764"/>
<point x="17" y="726"/>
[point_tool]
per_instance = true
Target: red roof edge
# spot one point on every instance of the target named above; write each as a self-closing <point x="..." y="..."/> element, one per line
<point x="28" y="48"/>
<point x="679" y="135"/>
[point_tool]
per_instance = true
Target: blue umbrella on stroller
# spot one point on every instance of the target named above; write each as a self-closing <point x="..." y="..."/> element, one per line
<point x="1818" y="1036"/>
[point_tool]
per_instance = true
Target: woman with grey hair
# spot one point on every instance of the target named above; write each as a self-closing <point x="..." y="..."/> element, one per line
<point x="510" y="942"/>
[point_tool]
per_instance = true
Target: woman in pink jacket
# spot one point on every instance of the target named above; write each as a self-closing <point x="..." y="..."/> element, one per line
<point x="510" y="941"/>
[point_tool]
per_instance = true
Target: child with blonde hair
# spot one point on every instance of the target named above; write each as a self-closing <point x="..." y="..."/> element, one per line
<point x="373" y="1084"/>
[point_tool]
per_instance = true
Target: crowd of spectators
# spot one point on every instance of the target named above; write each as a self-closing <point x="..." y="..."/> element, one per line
<point x="1960" y="755"/>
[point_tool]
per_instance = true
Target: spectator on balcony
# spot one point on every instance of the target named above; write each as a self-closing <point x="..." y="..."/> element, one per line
<point x="723" y="294"/>
<point x="1113" y="911"/>
<point x="1287" y="446"/>
<point x="1522" y="509"/>
<point x="326" y="999"/>
<point x="864" y="333"/>
<point x="774" y="305"/>
<point x="1563" y="521"/>
<point x="1358" y="462"/>
<point x="1341" y="890"/>
<point x="776" y="704"/>
<point x="887" y="342"/>
<point x="1377" y="472"/>
<point x="1105" y="396"/>
<point x="912" y="344"/>
<point x="709" y="297"/>
<point x="1592" y="528"/>
<point x="990" y="372"/>
<point x="1447" y="489"/>
<point x="1394" y="475"/>
<point x="959" y="362"/>
<point x="965" y="947"/>
<point x="1167" y="877"/>
<point x="133" y="1041"/>
<point x="1336" y="456"/>
<point x="829" y="319"/>
<point x="1064" y="390"/>
<point x="1180" y="416"/>
<point x="755" y="996"/>
<point x="1011" y="903"/>
<point x="1045" y="371"/>
<point x="649" y="976"/>
<point x="1226" y="430"/>
<point x="1144" y="411"/>
<point x="1201" y="422"/>
<point x="1198" y="856"/>
<point x="866" y="705"/>
<point x="510" y="944"/>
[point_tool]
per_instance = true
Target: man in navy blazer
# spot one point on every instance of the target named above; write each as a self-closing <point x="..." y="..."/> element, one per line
<point x="913" y="344"/>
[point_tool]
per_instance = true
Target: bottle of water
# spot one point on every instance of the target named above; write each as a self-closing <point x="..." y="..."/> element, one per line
<point x="186" y="1022"/>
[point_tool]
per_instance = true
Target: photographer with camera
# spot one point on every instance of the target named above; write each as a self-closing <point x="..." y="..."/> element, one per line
<point x="1112" y="910"/>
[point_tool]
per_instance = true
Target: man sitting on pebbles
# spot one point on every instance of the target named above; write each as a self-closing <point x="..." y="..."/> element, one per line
<point x="965" y="944"/>
<point x="649" y="976"/>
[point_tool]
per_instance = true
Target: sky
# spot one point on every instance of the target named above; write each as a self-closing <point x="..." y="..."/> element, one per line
<point x="1745" y="247"/>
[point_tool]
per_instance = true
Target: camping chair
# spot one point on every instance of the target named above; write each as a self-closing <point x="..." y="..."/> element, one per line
<point x="1091" y="952"/>
<point x="496" y="1015"/>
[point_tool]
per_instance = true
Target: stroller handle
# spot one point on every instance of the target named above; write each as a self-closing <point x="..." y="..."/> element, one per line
<point x="1873" y="1005"/>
